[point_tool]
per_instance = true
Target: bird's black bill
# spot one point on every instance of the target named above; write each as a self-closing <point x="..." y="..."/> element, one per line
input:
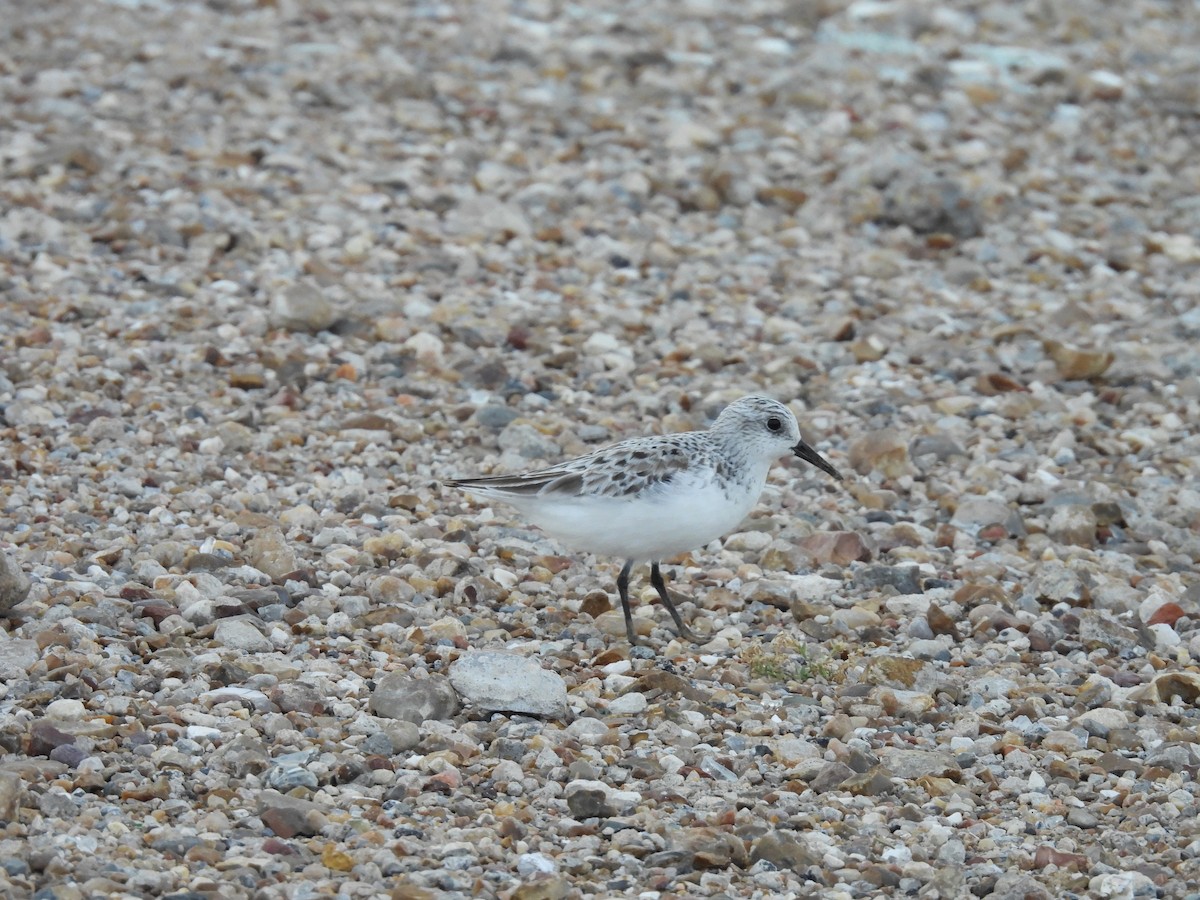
<point x="809" y="455"/>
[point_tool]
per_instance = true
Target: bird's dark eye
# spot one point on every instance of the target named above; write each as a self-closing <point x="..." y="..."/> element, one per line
<point x="774" y="424"/>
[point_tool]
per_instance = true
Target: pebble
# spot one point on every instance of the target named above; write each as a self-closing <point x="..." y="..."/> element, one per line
<point x="1098" y="629"/>
<point x="880" y="451"/>
<point x="1102" y="721"/>
<point x="589" y="799"/>
<point x="400" y="696"/>
<point x="499" y="681"/>
<point x="58" y="804"/>
<point x="14" y="584"/>
<point x="837" y="547"/>
<point x="66" y="709"/>
<point x="1075" y="525"/>
<point x="270" y="553"/>
<point x="302" y="307"/>
<point x="290" y="817"/>
<point x="17" y="656"/>
<point x="496" y="417"/>
<point x="974" y="514"/>
<point x="1075" y="363"/>
<point x="243" y="635"/>
<point x="930" y="203"/>
<point x="535" y="863"/>
<point x="629" y="704"/>
<point x="12" y="795"/>
<point x="784" y="849"/>
<point x="904" y="579"/>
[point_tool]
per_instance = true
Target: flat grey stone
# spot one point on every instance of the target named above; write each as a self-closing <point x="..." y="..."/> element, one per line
<point x="499" y="681"/>
<point x="416" y="700"/>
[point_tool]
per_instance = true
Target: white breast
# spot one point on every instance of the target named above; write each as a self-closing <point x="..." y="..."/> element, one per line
<point x="679" y="516"/>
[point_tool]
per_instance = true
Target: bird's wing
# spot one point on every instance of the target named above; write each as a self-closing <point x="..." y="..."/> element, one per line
<point x="626" y="469"/>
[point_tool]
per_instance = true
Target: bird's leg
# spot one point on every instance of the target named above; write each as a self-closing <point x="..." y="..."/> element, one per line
<point x="656" y="579"/>
<point x="623" y="590"/>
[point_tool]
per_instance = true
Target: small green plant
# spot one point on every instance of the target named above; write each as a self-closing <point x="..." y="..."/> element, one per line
<point x="784" y="659"/>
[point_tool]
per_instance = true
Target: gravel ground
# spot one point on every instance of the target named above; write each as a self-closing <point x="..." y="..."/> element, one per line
<point x="272" y="270"/>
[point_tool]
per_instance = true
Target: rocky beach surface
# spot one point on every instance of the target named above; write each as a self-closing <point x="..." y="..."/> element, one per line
<point x="271" y="271"/>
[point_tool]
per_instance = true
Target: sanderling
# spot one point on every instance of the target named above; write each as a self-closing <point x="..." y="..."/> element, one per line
<point x="651" y="498"/>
